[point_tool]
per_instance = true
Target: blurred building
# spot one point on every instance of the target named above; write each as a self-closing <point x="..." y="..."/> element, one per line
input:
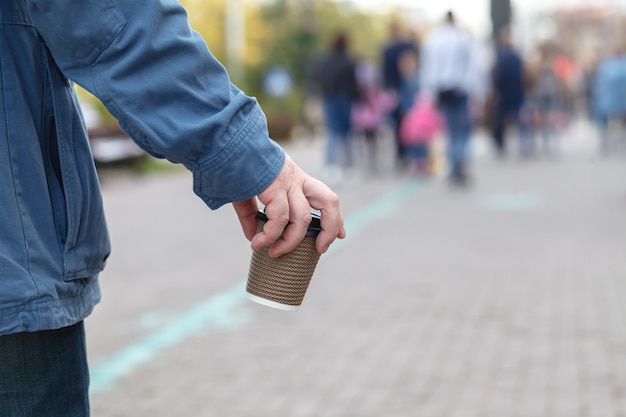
<point x="585" y="33"/>
<point x="589" y="33"/>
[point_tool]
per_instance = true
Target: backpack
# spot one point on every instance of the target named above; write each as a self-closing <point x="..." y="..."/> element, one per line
<point x="421" y="122"/>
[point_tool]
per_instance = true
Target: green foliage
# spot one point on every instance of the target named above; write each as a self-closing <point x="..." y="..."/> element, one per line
<point x="297" y="32"/>
<point x="287" y="33"/>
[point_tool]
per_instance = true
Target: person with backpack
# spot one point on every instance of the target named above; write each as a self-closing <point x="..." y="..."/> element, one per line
<point x="420" y="120"/>
<point x="419" y="126"/>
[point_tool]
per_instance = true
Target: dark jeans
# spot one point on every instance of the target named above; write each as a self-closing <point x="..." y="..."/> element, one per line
<point x="337" y="112"/>
<point x="401" y="150"/>
<point x="44" y="374"/>
<point x="501" y="119"/>
<point x="418" y="153"/>
<point x="456" y="115"/>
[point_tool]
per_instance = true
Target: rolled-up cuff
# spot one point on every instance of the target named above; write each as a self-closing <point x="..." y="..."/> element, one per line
<point x="244" y="168"/>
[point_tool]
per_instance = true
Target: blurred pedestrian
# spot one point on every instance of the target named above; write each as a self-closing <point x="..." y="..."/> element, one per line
<point x="334" y="76"/>
<point x="447" y="71"/>
<point x="420" y="124"/>
<point x="508" y="88"/>
<point x="545" y="102"/>
<point x="401" y="41"/>
<point x="369" y="110"/>
<point x="409" y="65"/>
<point x="158" y="78"/>
<point x="588" y="88"/>
<point x="409" y="133"/>
<point x="609" y="98"/>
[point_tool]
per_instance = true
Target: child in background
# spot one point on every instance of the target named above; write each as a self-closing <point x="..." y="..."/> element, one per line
<point x="418" y="128"/>
<point x="408" y="66"/>
<point x="420" y="120"/>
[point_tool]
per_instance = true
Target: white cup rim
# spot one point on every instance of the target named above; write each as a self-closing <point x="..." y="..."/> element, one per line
<point x="270" y="303"/>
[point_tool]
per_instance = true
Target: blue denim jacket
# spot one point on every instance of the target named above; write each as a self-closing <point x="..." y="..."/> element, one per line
<point x="157" y="77"/>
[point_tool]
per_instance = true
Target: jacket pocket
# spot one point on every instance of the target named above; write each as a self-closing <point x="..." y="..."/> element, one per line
<point x="54" y="177"/>
<point x="72" y="180"/>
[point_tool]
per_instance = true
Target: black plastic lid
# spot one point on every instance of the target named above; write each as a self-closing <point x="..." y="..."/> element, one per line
<point x="315" y="227"/>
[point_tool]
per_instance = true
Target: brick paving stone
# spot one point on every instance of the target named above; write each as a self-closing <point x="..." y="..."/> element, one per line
<point x="507" y="300"/>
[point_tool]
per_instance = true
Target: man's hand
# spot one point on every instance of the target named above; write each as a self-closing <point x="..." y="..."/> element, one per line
<point x="288" y="202"/>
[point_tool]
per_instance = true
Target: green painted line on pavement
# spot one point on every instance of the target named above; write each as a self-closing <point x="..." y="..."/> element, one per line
<point x="219" y="311"/>
<point x="216" y="311"/>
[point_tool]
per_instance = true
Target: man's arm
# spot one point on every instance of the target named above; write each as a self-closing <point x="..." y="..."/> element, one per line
<point x="158" y="78"/>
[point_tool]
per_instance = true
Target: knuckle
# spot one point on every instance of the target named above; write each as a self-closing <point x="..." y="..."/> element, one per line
<point x="307" y="217"/>
<point x="333" y="200"/>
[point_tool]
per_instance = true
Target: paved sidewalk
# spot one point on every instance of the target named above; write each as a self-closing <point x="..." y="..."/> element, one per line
<point x="508" y="299"/>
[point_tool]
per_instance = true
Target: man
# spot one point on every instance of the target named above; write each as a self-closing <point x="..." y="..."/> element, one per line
<point x="157" y="77"/>
<point x="447" y="72"/>
<point x="508" y="87"/>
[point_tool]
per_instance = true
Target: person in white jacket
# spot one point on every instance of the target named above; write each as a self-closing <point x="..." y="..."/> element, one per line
<point x="447" y="72"/>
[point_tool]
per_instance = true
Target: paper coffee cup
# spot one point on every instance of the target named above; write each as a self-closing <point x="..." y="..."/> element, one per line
<point x="282" y="282"/>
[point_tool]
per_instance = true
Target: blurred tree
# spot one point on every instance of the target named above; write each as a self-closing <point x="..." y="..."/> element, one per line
<point x="209" y="19"/>
<point x="285" y="33"/>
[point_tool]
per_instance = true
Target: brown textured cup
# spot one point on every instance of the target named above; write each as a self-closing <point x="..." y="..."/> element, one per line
<point x="282" y="282"/>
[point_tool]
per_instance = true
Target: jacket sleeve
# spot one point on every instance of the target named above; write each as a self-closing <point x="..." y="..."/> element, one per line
<point x="159" y="80"/>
